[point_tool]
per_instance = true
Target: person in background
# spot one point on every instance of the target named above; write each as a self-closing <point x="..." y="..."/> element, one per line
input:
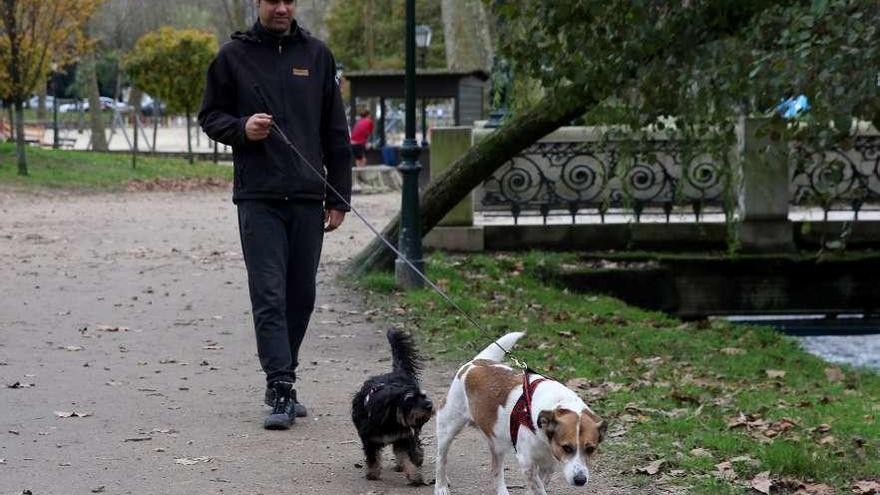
<point x="360" y="135"/>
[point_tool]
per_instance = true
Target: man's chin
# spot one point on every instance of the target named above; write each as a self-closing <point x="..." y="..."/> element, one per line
<point x="281" y="26"/>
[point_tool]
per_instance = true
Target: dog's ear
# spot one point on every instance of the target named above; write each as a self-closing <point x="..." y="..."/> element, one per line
<point x="601" y="424"/>
<point x="603" y="428"/>
<point x="547" y="422"/>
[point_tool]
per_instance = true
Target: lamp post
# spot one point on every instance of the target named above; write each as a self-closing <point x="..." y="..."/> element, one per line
<point x="410" y="239"/>
<point x="55" y="141"/>
<point x="423" y="41"/>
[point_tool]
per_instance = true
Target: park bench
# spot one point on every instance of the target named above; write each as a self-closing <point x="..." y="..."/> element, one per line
<point x="40" y="135"/>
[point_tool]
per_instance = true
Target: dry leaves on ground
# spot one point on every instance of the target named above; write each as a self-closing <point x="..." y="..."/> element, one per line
<point x="798" y="487"/>
<point x="762" y="483"/>
<point x="726" y="471"/>
<point x="176" y="185"/>
<point x="652" y="468"/>
<point x="866" y="487"/>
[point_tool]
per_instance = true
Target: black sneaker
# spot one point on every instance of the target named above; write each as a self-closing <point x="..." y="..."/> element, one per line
<point x="299" y="409"/>
<point x="282" y="416"/>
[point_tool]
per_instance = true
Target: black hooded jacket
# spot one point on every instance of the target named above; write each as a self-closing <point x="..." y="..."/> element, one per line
<point x="296" y="76"/>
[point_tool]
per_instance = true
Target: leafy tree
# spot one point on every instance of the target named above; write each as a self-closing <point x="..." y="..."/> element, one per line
<point x="368" y="34"/>
<point x="699" y="62"/>
<point x="171" y="64"/>
<point x="33" y="35"/>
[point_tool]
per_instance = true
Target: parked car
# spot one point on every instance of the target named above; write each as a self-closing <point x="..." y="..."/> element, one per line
<point x="150" y="109"/>
<point x="73" y="106"/>
<point x="34" y="102"/>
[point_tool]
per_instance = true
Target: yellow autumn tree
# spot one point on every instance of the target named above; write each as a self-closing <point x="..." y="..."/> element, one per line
<point x="34" y="34"/>
<point x="170" y="64"/>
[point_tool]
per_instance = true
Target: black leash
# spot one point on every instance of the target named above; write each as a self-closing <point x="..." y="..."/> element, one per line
<point x="520" y="364"/>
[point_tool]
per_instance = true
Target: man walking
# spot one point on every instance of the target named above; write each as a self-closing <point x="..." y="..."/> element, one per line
<point x="278" y="74"/>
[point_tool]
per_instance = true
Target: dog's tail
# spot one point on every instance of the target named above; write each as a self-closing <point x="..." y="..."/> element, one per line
<point x="403" y="353"/>
<point x="495" y="352"/>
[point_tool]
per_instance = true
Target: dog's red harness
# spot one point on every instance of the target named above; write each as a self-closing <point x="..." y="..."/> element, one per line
<point x="521" y="415"/>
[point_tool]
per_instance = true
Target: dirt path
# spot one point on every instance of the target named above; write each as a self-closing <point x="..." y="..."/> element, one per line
<point x="175" y="397"/>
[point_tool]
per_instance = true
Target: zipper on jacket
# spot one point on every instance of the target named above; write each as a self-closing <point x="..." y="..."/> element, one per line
<point x="279" y="47"/>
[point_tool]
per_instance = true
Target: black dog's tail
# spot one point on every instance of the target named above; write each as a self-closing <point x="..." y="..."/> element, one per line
<point x="403" y="353"/>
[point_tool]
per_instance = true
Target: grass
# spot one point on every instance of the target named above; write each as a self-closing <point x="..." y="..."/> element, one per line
<point x="668" y="387"/>
<point x="92" y="171"/>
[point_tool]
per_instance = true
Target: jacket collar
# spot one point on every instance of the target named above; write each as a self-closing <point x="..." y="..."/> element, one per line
<point x="259" y="34"/>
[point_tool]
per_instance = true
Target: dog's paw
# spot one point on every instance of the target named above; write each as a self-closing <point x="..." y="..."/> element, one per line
<point x="398" y="468"/>
<point x="373" y="476"/>
<point x="416" y="480"/>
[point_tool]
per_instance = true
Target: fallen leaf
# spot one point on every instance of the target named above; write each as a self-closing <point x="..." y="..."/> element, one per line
<point x="2" y="461"/>
<point x="72" y="348"/>
<point x="137" y="439"/>
<point x="185" y="461"/>
<point x="827" y="439"/>
<point x="816" y="489"/>
<point x="699" y="452"/>
<point x="110" y="328"/>
<point x="20" y="385"/>
<point x="775" y="373"/>
<point x="866" y="487"/>
<point x="652" y="468"/>
<point x="737" y="421"/>
<point x="99" y="489"/>
<point x="73" y="414"/>
<point x="834" y="374"/>
<point x="212" y="347"/>
<point x="732" y="351"/>
<point x="762" y="483"/>
<point x="576" y="383"/>
<point x="726" y="471"/>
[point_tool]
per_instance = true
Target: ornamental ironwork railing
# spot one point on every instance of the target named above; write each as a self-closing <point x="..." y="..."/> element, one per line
<point x="666" y="176"/>
<point x="836" y="179"/>
<point x="593" y="177"/>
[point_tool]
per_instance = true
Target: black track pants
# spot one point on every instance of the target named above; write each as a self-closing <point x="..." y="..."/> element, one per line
<point x="281" y="242"/>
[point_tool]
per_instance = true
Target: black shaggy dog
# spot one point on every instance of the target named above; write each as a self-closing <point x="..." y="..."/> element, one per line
<point x="391" y="409"/>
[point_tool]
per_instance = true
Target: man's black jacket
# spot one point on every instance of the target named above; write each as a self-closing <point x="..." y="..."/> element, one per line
<point x="296" y="75"/>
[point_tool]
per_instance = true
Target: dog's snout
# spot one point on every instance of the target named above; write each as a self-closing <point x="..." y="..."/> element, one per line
<point x="580" y="479"/>
<point x="429" y="405"/>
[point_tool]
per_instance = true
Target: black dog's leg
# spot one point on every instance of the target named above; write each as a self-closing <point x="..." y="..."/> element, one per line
<point x="417" y="453"/>
<point x="373" y="452"/>
<point x="402" y="450"/>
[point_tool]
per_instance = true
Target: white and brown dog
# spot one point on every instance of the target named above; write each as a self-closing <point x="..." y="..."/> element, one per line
<point x="548" y="426"/>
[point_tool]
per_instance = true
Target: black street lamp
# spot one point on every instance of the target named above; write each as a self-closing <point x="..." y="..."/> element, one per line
<point x="410" y="239"/>
<point x="423" y="41"/>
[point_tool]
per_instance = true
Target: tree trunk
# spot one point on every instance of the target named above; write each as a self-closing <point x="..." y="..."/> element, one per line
<point x="466" y="35"/>
<point x="19" y="138"/>
<point x="189" y="142"/>
<point x="134" y="99"/>
<point x="12" y="130"/>
<point x="99" y="138"/>
<point x="41" y="102"/>
<point x="477" y="165"/>
<point x="156" y="106"/>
